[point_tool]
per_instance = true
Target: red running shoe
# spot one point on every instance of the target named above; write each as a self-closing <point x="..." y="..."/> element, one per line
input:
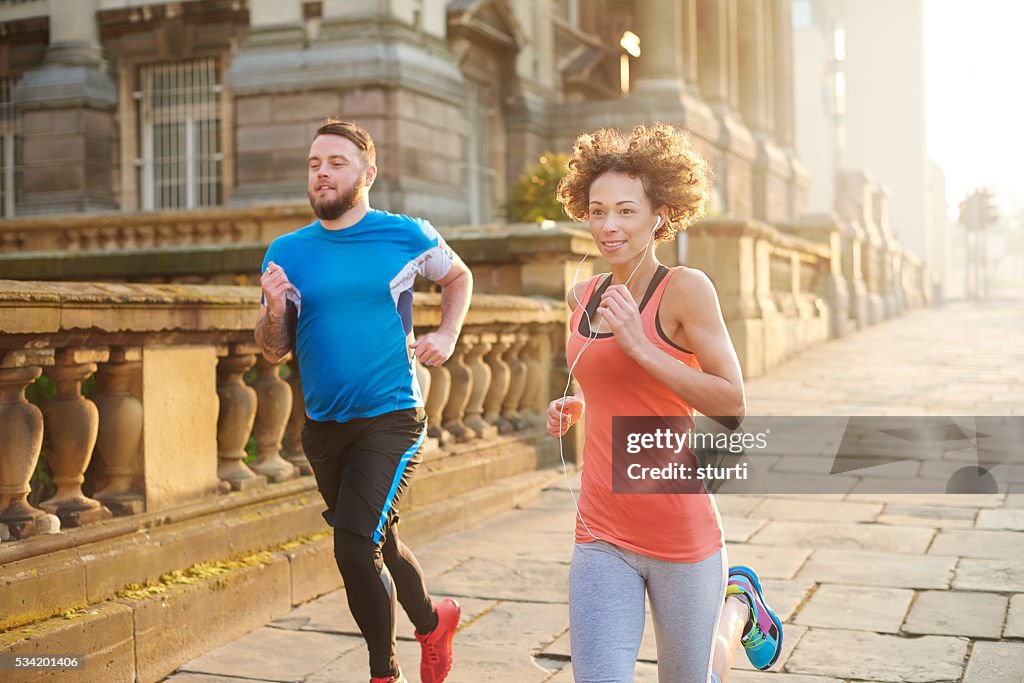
<point x="437" y="645"/>
<point x="390" y="679"/>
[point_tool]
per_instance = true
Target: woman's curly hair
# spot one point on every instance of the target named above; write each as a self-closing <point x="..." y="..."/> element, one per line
<point x="673" y="172"/>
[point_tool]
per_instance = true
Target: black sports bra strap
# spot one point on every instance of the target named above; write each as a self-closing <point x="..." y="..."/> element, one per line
<point x="595" y="300"/>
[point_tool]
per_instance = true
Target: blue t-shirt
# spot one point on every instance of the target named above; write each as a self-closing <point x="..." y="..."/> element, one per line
<point x="354" y="292"/>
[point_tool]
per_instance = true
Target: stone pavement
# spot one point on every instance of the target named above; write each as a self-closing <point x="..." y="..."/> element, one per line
<point x="871" y="587"/>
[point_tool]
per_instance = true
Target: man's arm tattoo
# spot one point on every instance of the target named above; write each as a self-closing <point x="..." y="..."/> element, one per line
<point x="274" y="335"/>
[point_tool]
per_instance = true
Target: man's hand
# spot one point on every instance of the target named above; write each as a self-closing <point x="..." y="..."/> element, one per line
<point x="274" y="331"/>
<point x="275" y="288"/>
<point x="435" y="348"/>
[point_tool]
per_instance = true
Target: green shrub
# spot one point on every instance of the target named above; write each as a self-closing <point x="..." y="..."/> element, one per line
<point x="533" y="196"/>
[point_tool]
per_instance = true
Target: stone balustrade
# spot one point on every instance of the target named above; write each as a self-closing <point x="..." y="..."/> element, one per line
<point x="144" y="230"/>
<point x="170" y="413"/>
<point x="777" y="290"/>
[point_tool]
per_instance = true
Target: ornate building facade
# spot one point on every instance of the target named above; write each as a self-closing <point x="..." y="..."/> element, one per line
<point x="126" y="105"/>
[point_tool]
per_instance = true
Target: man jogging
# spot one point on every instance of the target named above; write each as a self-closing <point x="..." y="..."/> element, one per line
<point x="340" y="291"/>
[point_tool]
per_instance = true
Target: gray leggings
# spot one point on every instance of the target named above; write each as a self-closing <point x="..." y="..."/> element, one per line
<point x="606" y="613"/>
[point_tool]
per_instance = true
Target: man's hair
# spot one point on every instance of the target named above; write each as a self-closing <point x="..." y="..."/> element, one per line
<point x="352" y="132"/>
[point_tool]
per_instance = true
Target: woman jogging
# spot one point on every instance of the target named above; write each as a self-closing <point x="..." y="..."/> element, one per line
<point x="647" y="340"/>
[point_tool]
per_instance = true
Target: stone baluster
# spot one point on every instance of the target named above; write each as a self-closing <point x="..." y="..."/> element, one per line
<point x="273" y="409"/>
<point x="431" y="446"/>
<point x="237" y="414"/>
<point x="72" y="423"/>
<point x="481" y="383"/>
<point x="292" y="443"/>
<point x="538" y="359"/>
<point x="436" y="400"/>
<point x="119" y="441"/>
<point x="501" y="377"/>
<point x="461" y="388"/>
<point x="517" y="382"/>
<point x="21" y="424"/>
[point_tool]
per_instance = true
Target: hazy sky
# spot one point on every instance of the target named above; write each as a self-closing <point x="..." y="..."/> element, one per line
<point x="974" y="94"/>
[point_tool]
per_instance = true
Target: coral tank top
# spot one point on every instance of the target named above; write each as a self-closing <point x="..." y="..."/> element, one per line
<point x="676" y="527"/>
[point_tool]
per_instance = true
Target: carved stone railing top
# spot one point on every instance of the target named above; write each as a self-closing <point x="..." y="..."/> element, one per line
<point x="41" y="315"/>
<point x="37" y="316"/>
<point x="101" y="231"/>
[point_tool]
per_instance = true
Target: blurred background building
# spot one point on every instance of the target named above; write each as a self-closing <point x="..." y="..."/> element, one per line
<point x="127" y="105"/>
<point x="859" y="85"/>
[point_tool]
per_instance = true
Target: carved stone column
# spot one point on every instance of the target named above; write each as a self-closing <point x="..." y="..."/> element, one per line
<point x="21" y="424"/>
<point x="717" y="52"/>
<point x="517" y="382"/>
<point x="120" y="430"/>
<point x="756" y="78"/>
<point x="481" y="383"/>
<point x="501" y="377"/>
<point x="236" y="417"/>
<point x="659" y="26"/>
<point x="437" y="399"/>
<point x="734" y="149"/>
<point x="73" y="87"/>
<point x="292" y="443"/>
<point x="462" y="387"/>
<point x="72" y="423"/>
<point x="273" y="408"/>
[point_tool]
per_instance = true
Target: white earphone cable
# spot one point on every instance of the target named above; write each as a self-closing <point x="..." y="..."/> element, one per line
<point x="591" y="337"/>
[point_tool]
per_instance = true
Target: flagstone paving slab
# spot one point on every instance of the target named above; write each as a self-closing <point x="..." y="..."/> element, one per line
<point x="1015" y="618"/>
<point x="957" y="613"/>
<point x="879" y="610"/>
<point x="507" y="579"/>
<point x="525" y="626"/>
<point x="991" y="662"/>
<point x="868" y="537"/>
<point x="785" y="596"/>
<point x="1005" y="545"/>
<point x="777" y="509"/>
<point x="928" y="516"/>
<point x="1005" y="518"/>
<point x="878" y="569"/>
<point x="873" y="656"/>
<point x="990" y="575"/>
<point x="258" y="655"/>
<point x="740" y="529"/>
<point x="775" y="562"/>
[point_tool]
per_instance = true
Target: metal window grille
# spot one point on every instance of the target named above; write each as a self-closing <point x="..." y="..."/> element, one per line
<point x="10" y="148"/>
<point x="567" y="11"/>
<point x="179" y="135"/>
<point x="480" y="172"/>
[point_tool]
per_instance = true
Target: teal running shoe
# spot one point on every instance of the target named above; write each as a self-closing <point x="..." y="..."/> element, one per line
<point x="762" y="636"/>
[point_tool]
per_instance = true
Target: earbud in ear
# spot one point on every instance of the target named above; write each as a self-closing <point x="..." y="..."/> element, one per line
<point x="657" y="223"/>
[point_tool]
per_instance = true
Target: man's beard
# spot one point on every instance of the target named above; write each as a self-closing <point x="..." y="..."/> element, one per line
<point x="333" y="209"/>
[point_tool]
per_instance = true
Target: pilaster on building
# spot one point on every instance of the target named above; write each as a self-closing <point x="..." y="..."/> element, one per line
<point x="190" y="105"/>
